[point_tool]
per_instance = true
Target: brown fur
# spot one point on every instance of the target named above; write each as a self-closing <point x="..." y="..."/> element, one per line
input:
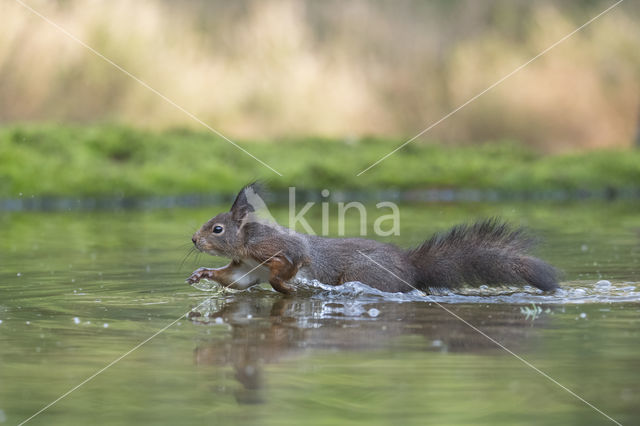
<point x="487" y="252"/>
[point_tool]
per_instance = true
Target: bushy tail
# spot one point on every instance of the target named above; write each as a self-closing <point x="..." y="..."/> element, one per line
<point x="487" y="252"/>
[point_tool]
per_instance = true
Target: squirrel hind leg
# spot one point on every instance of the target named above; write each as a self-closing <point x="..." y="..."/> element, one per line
<point x="281" y="271"/>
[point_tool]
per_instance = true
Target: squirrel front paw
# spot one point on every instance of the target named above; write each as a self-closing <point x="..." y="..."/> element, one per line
<point x="199" y="274"/>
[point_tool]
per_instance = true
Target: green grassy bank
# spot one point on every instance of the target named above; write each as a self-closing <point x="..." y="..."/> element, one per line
<point x="52" y="160"/>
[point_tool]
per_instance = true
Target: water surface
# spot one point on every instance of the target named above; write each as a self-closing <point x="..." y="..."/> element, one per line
<point x="80" y="289"/>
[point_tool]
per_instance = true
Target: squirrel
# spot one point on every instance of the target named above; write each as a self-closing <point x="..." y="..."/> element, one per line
<point x="487" y="252"/>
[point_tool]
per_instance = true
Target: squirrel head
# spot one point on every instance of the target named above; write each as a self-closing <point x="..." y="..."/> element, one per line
<point x="224" y="234"/>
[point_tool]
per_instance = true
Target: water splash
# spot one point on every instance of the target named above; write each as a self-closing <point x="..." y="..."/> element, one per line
<point x="571" y="292"/>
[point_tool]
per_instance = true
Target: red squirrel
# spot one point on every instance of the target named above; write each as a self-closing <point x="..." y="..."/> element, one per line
<point x="488" y="252"/>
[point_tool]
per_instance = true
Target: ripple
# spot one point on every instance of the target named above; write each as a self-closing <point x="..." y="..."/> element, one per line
<point x="572" y="292"/>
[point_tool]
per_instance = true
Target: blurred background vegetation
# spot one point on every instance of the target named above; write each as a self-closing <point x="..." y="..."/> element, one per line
<point x="303" y="81"/>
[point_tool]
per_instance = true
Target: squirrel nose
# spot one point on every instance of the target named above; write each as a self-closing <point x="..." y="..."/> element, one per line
<point x="194" y="239"/>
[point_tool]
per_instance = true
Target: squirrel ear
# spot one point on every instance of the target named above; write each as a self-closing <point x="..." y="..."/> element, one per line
<point x="242" y="206"/>
<point x="240" y="215"/>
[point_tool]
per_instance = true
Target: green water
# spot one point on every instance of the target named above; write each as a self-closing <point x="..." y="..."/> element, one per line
<point x="80" y="289"/>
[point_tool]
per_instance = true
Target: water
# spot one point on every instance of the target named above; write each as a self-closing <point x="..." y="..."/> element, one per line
<point x="79" y="290"/>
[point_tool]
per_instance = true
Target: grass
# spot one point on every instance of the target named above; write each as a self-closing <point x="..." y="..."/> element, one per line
<point x="110" y="160"/>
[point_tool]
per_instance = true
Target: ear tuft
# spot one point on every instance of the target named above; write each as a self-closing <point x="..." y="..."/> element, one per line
<point x="242" y="205"/>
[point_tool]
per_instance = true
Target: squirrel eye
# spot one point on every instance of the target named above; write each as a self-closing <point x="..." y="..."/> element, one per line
<point x="217" y="229"/>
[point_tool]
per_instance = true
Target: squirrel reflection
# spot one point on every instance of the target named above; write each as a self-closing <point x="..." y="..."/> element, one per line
<point x="270" y="329"/>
